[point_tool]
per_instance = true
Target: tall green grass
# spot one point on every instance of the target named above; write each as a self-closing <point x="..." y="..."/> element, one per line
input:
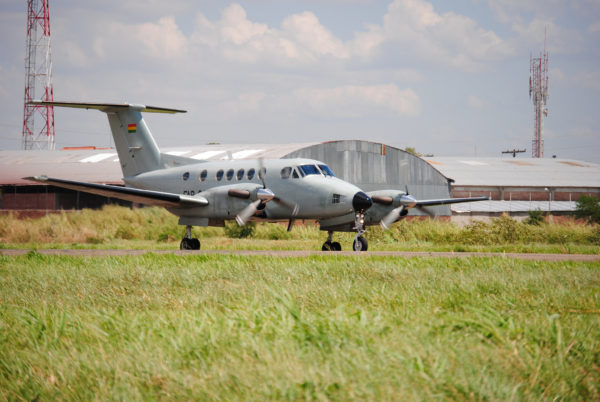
<point x="120" y="227"/>
<point x="325" y="327"/>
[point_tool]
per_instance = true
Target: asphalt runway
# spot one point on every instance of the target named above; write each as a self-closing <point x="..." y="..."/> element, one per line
<point x="304" y="253"/>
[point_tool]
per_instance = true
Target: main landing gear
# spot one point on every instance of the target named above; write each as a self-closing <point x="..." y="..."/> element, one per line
<point x="330" y="245"/>
<point x="189" y="243"/>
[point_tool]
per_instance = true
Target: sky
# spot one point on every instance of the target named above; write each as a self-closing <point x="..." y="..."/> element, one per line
<point x="448" y="78"/>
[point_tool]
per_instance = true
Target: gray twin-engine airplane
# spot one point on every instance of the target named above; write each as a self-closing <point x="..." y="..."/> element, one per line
<point x="207" y="193"/>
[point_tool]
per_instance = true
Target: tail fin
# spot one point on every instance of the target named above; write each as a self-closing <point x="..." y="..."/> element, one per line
<point x="138" y="153"/>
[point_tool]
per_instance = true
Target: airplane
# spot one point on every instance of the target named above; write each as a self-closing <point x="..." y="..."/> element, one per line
<point x="208" y="193"/>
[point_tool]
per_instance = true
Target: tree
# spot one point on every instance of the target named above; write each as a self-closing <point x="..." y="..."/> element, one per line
<point x="588" y="207"/>
<point x="412" y="150"/>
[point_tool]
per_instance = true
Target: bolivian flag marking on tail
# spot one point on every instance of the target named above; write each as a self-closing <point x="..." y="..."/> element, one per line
<point x="132" y="128"/>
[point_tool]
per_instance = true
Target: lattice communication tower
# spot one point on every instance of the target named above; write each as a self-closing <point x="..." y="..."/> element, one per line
<point x="538" y="92"/>
<point x="38" y="78"/>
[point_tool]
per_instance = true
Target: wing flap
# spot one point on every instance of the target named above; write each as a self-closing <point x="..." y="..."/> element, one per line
<point x="147" y="197"/>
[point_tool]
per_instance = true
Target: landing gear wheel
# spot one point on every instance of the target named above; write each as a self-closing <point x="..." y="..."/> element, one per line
<point x="331" y="246"/>
<point x="360" y="244"/>
<point x="189" y="244"/>
<point x="327" y="246"/>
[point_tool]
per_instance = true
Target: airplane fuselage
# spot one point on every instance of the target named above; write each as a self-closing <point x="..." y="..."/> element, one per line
<point x="308" y="189"/>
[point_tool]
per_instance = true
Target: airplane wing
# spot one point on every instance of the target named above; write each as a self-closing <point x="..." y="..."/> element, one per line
<point x="146" y="197"/>
<point x="446" y="201"/>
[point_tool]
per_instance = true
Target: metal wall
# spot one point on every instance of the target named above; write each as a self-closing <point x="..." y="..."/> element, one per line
<point x="374" y="166"/>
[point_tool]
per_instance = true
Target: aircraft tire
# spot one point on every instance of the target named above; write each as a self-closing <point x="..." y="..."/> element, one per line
<point x="335" y="246"/>
<point x="189" y="244"/>
<point x="360" y="244"/>
<point x="327" y="246"/>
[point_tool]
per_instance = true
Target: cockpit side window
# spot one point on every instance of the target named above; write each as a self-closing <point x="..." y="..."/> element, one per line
<point x="326" y="170"/>
<point x="285" y="172"/>
<point x="309" y="169"/>
<point x="295" y="175"/>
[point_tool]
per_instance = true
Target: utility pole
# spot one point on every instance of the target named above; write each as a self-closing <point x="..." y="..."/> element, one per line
<point x="514" y="152"/>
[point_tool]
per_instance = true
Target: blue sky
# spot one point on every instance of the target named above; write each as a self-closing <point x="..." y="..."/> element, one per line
<point x="447" y="78"/>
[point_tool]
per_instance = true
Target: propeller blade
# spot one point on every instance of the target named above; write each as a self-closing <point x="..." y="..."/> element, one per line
<point x="288" y="204"/>
<point x="247" y="212"/>
<point x="391" y="217"/>
<point x="262" y="171"/>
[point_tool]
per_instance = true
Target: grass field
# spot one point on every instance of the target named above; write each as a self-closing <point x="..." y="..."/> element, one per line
<point x="155" y="228"/>
<point x="322" y="327"/>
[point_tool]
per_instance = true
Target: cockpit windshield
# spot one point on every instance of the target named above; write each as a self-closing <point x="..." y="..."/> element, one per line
<point x="308" y="169"/>
<point x="326" y="171"/>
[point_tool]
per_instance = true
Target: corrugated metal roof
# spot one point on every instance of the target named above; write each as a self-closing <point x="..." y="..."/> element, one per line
<point x="518" y="172"/>
<point x="102" y="165"/>
<point x="514" y="206"/>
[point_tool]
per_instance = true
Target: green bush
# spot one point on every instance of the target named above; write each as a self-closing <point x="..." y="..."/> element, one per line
<point x="588" y="208"/>
<point x="535" y="218"/>
<point x="235" y="231"/>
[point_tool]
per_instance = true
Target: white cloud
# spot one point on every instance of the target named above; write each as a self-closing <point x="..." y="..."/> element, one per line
<point x="558" y="39"/>
<point x="451" y="39"/>
<point x="162" y="39"/>
<point x="301" y="38"/>
<point x="356" y="101"/>
<point x="594" y="28"/>
<point x="306" y="30"/>
<point x="589" y="80"/>
<point x="474" y="102"/>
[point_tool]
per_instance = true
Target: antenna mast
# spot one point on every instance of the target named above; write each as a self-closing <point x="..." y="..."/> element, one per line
<point x="538" y="92"/>
<point x="38" y="78"/>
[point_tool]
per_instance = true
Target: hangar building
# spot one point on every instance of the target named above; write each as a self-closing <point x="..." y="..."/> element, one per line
<point x="518" y="185"/>
<point x="369" y="165"/>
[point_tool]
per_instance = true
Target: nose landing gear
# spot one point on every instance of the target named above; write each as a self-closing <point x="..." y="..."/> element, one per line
<point x="360" y="243"/>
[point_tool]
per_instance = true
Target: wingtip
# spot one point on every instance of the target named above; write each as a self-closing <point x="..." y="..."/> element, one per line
<point x="36" y="178"/>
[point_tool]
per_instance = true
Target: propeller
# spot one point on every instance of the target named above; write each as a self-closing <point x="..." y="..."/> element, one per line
<point x="391" y="217"/>
<point x="406" y="201"/>
<point x="263" y="196"/>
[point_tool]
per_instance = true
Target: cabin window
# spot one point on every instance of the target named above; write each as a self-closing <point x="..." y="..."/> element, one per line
<point x="203" y="175"/>
<point x="230" y="174"/>
<point x="309" y="169"/>
<point x="326" y="171"/>
<point x="219" y="174"/>
<point x="186" y="175"/>
<point x="285" y="172"/>
<point x="240" y="174"/>
<point x="250" y="174"/>
<point x="261" y="173"/>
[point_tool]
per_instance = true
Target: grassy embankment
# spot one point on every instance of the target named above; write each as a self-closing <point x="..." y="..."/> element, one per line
<point x="337" y="327"/>
<point x="155" y="228"/>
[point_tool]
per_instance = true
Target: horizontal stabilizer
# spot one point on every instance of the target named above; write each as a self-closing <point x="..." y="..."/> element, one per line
<point x="147" y="197"/>
<point x="108" y="107"/>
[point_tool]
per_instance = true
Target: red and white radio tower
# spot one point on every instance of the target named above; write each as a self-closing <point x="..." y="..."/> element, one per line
<point x="38" y="77"/>
<point x="538" y="92"/>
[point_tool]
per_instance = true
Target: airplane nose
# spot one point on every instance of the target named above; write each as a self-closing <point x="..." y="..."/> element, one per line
<point x="361" y="202"/>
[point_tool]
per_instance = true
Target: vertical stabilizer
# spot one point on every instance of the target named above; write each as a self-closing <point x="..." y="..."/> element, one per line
<point x="137" y="150"/>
